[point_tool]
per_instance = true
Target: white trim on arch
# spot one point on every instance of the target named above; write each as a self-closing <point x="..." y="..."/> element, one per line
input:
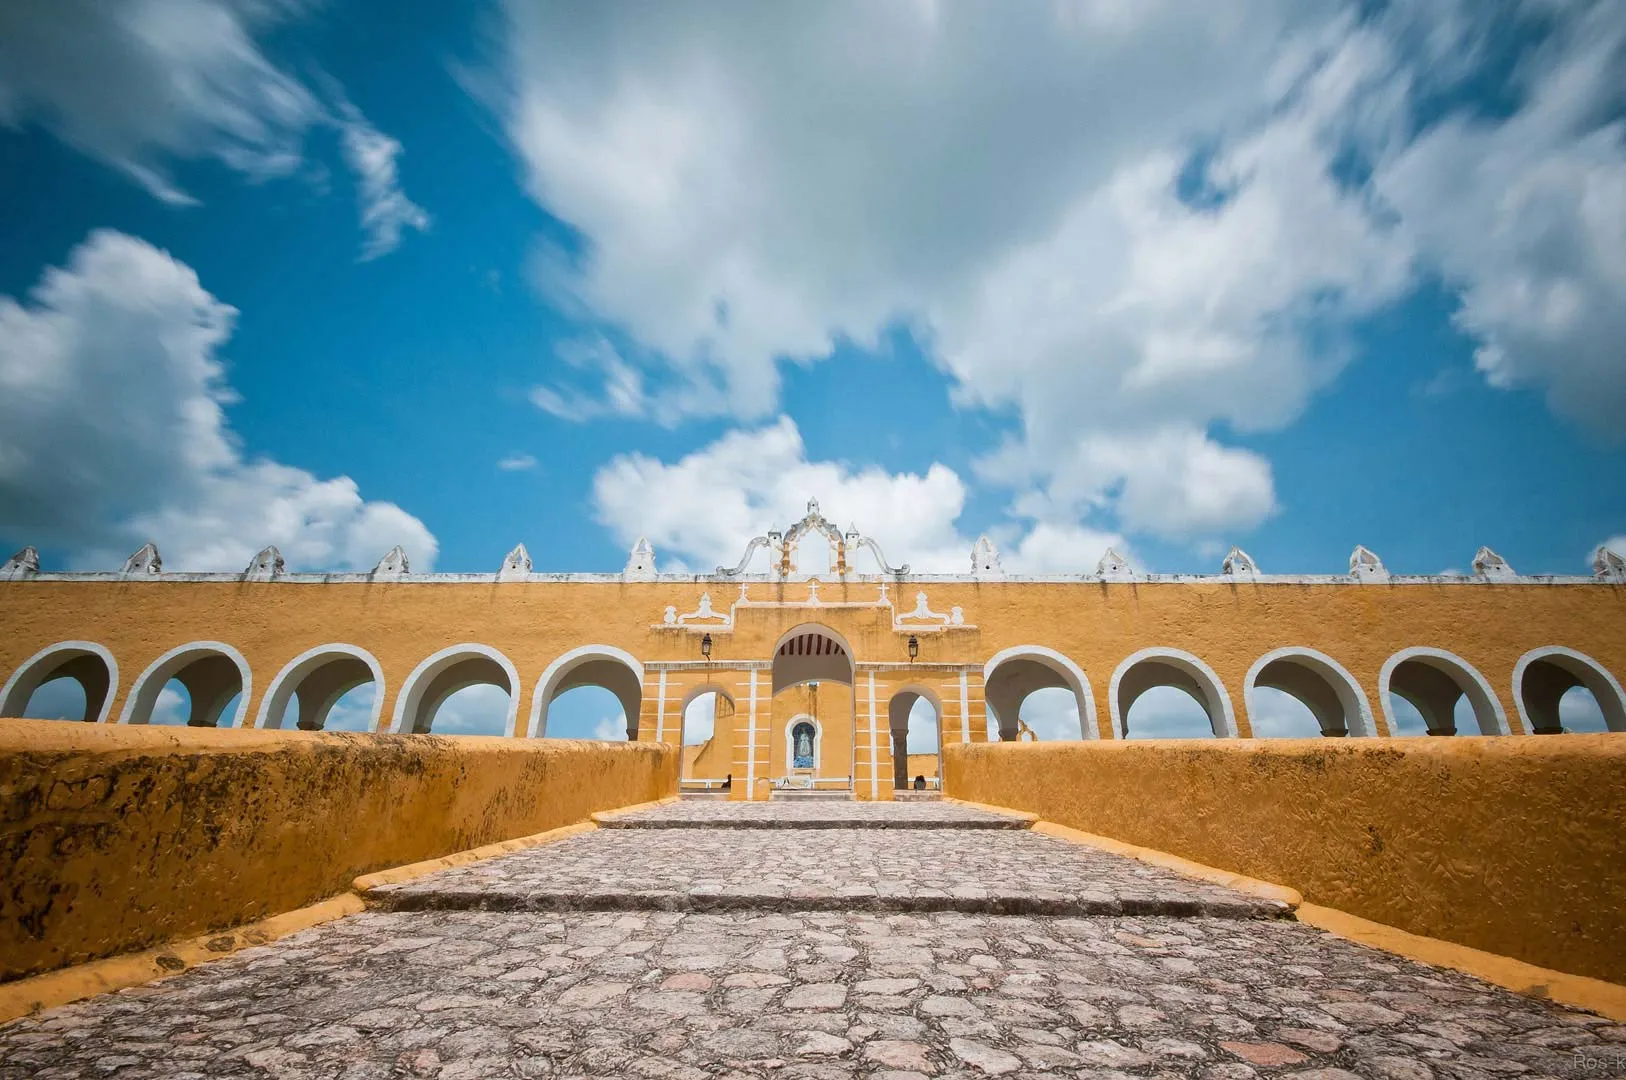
<point x="411" y="695"/>
<point x="818" y="742"/>
<point x="1614" y="711"/>
<point x="555" y="673"/>
<point x="1345" y="685"/>
<point x="1061" y="665"/>
<point x="1223" y="725"/>
<point x="695" y="694"/>
<point x="1480" y="694"/>
<point x="22" y="683"/>
<point x="145" y="690"/>
<point x="294" y="671"/>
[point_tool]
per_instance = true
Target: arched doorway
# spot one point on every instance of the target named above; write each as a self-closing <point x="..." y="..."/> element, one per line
<point x="813" y="697"/>
<point x="1024" y="676"/>
<point x="331" y="687"/>
<point x="482" y="680"/>
<point x="915" y="719"/>
<point x="69" y="680"/>
<point x="1447" y="694"/>
<point x="1321" y="697"/>
<point x="1551" y="686"/>
<point x="1172" y="676"/>
<point x="617" y="676"/>
<point x="706" y="716"/>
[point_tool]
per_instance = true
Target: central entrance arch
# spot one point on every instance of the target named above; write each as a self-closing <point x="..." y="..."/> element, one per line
<point x="814" y="710"/>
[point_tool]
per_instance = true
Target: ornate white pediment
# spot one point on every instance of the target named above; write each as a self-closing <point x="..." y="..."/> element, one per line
<point x="145" y="561"/>
<point x="265" y="566"/>
<point x="1114" y="567"/>
<point x="1491" y="565"/>
<point x="1239" y="564"/>
<point x="393" y="565"/>
<point x="1365" y="566"/>
<point x="515" y="565"/>
<point x="985" y="564"/>
<point x="922" y="617"/>
<point x="640" y="561"/>
<point x="784" y="547"/>
<point x="704" y="615"/>
<point x="26" y="563"/>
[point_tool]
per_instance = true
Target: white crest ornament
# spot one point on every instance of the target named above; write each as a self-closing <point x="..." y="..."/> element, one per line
<point x="1113" y="567"/>
<point x="392" y="566"/>
<point x="1608" y="566"/>
<point x="985" y="564"/>
<point x="266" y="566"/>
<point x="1239" y="564"/>
<point x="1488" y="564"/>
<point x="640" y="562"/>
<point x="1365" y="566"/>
<point x="145" y="561"/>
<point x="516" y="565"/>
<point x="26" y="563"/>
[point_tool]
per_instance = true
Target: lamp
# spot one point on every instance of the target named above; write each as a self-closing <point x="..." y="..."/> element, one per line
<point x="914" y="646"/>
<point x="705" y="647"/>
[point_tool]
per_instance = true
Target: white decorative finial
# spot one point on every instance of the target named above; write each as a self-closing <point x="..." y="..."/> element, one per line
<point x="1491" y="565"/>
<point x="145" y="561"/>
<point x="985" y="564"/>
<point x="515" y="565"/>
<point x="812" y="508"/>
<point x="1608" y="566"/>
<point x="1239" y="564"/>
<point x="1365" y="566"/>
<point x="265" y="566"/>
<point x="640" y="562"/>
<point x="392" y="565"/>
<point x="1114" y="567"/>
<point x="26" y="563"/>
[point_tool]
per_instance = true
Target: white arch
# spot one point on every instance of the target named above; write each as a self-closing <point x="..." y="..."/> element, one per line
<point x="275" y="703"/>
<point x="1224" y="724"/>
<point x="818" y="741"/>
<point x="145" y="690"/>
<point x="1612" y="704"/>
<point x="694" y="695"/>
<point x="815" y="667"/>
<point x="1349" y="692"/>
<point x="412" y="691"/>
<point x="14" y="696"/>
<point x="563" y="666"/>
<point x="1480" y="695"/>
<point x="1074" y="675"/>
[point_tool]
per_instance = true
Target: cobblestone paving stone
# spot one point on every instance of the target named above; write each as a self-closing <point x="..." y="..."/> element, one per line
<point x="810" y="996"/>
<point x="704" y="869"/>
<point x="814" y="814"/>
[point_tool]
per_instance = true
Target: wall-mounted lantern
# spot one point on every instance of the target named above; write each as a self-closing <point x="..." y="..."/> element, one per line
<point x="914" y="646"/>
<point x="705" y="647"/>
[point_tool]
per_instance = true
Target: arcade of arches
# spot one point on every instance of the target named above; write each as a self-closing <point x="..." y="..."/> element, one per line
<point x="851" y="679"/>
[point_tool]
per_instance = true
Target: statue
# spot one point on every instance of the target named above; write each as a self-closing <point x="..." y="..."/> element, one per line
<point x="802" y="738"/>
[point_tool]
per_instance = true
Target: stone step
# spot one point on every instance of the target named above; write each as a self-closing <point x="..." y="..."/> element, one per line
<point x="810" y="795"/>
<point x="703" y="796"/>
<point x="984" y="872"/>
<point x="811" y="814"/>
<point x="900" y="795"/>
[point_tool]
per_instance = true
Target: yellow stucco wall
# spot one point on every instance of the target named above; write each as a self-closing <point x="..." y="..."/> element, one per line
<point x="1511" y="845"/>
<point x="922" y="765"/>
<point x="1095" y="625"/>
<point x="117" y="837"/>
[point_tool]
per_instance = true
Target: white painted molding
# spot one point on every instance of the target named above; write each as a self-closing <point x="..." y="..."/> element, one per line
<point x="1345" y="685"/>
<point x="542" y="696"/>
<point x="1480" y="695"/>
<point x="1061" y="665"/>
<point x="20" y="687"/>
<point x="275" y="703"/>
<point x="1612" y="702"/>
<point x="1224" y="725"/>
<point x="145" y="690"/>
<point x="411" y="695"/>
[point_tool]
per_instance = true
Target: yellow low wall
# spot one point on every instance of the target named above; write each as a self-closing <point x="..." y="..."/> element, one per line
<point x="1515" y="845"/>
<point x="115" y="838"/>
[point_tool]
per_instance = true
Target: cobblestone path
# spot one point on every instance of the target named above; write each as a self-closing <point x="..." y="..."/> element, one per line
<point x="806" y="994"/>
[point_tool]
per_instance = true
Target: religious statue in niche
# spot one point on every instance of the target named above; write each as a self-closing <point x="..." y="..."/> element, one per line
<point x="801" y="737"/>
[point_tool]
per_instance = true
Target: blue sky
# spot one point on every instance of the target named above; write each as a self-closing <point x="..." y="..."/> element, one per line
<point x="1293" y="276"/>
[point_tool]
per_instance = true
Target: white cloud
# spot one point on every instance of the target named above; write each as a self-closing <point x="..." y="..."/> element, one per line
<point x="1276" y="714"/>
<point x="699" y="719"/>
<point x="517" y="463"/>
<point x="700" y="511"/>
<point x="113" y="430"/>
<point x="385" y="209"/>
<point x="146" y="84"/>
<point x="1526" y="218"/>
<point x="922" y="737"/>
<point x="481" y="709"/>
<point x="610" y="729"/>
<point x="1019" y="187"/>
<point x="1168" y="712"/>
<point x="1052" y="714"/>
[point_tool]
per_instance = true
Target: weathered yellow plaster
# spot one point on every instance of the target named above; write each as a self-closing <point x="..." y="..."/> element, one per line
<point x="1513" y="846"/>
<point x="24" y="996"/>
<point x="116" y="838"/>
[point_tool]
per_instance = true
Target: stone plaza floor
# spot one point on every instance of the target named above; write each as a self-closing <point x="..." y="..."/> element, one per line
<point x="823" y="962"/>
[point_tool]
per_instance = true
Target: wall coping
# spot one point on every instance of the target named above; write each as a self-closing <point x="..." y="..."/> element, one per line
<point x="1117" y="582"/>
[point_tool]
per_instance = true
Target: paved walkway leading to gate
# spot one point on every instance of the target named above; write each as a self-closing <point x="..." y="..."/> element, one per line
<point x="774" y="989"/>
